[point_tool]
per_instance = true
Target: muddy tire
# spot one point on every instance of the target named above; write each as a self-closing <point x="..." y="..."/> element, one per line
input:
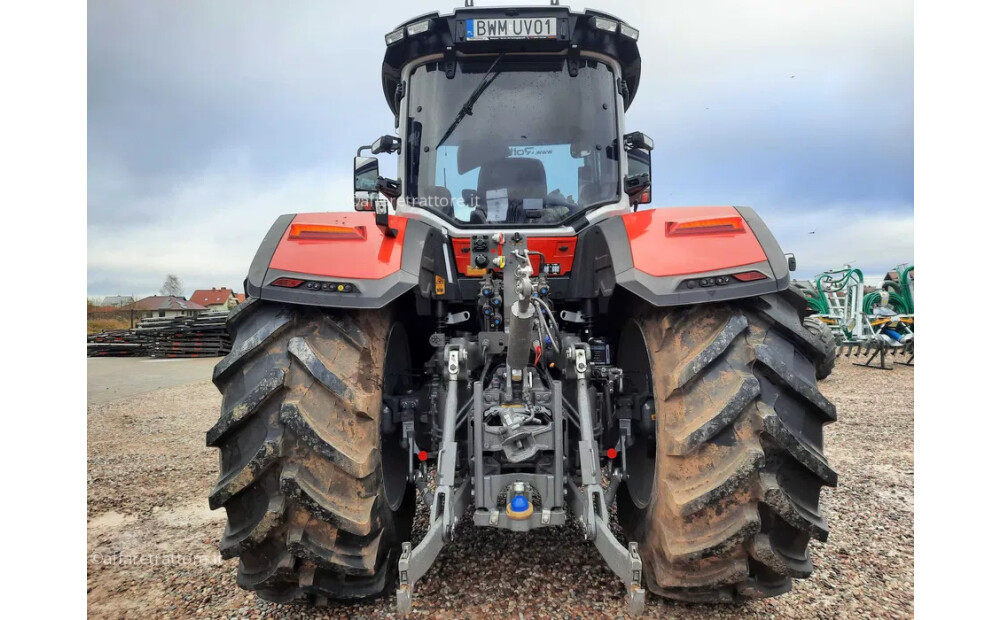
<point x="824" y="334"/>
<point x="316" y="506"/>
<point x="723" y="497"/>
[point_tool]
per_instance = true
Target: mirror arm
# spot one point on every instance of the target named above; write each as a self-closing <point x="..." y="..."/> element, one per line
<point x="390" y="188"/>
<point x="382" y="221"/>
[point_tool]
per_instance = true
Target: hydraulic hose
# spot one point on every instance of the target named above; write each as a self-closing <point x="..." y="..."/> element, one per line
<point x="838" y="281"/>
<point x="895" y="300"/>
<point x="904" y="284"/>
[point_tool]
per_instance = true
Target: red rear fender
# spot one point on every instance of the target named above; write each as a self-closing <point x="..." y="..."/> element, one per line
<point x="339" y="260"/>
<point x="687" y="255"/>
<point x="673" y="241"/>
<point x="322" y="249"/>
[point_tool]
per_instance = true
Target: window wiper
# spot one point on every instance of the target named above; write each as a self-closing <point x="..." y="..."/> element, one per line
<point x="466" y="109"/>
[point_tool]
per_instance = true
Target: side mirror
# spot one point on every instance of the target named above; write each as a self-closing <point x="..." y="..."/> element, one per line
<point x="365" y="201"/>
<point x="365" y="174"/>
<point x="639" y="182"/>
<point x="639" y="188"/>
<point x="368" y="185"/>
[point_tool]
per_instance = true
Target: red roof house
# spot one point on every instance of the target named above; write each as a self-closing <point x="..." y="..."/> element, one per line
<point x="215" y="299"/>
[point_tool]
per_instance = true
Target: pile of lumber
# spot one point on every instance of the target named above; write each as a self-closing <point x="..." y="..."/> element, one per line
<point x="184" y="336"/>
<point x="190" y="336"/>
<point x="118" y="343"/>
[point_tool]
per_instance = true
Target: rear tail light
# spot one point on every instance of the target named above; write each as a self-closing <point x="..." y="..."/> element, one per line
<point x="749" y="276"/>
<point x="706" y="227"/>
<point x="287" y="282"/>
<point x="323" y="232"/>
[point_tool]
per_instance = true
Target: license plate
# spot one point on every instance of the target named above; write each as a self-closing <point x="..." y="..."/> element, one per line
<point x="511" y="28"/>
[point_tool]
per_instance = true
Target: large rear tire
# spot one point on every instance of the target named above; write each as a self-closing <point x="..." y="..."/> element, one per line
<point x="723" y="498"/>
<point x="824" y="334"/>
<point x="316" y="498"/>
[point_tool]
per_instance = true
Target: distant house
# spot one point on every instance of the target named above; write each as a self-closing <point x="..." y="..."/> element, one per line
<point x="216" y="299"/>
<point x="160" y="306"/>
<point x="240" y="297"/>
<point x="117" y="301"/>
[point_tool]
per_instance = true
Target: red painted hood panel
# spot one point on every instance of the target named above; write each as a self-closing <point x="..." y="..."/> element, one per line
<point x="656" y="253"/>
<point x="374" y="257"/>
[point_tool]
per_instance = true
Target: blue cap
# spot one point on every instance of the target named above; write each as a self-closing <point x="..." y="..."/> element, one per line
<point x="519" y="504"/>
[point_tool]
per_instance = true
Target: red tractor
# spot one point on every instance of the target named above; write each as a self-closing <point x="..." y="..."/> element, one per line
<point x="502" y="331"/>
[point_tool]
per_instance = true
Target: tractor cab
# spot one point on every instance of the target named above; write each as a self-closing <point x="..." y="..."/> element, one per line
<point x="509" y="116"/>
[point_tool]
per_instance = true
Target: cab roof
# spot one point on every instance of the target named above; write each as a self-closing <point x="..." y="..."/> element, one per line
<point x="432" y="33"/>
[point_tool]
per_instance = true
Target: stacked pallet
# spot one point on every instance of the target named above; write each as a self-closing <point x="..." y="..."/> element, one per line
<point x="118" y="343"/>
<point x="195" y="336"/>
<point x="184" y="336"/>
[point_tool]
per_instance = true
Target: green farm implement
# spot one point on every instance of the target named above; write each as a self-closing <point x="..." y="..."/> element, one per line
<point x="870" y="324"/>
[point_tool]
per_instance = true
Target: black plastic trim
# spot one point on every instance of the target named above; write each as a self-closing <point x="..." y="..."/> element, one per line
<point x="667" y="291"/>
<point x="779" y="264"/>
<point x="262" y="259"/>
<point x="618" y="243"/>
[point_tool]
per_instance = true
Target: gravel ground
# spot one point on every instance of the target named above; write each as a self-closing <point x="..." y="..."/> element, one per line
<point x="151" y="540"/>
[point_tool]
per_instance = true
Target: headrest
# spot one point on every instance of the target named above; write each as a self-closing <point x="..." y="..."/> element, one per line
<point x="521" y="177"/>
<point x="438" y="197"/>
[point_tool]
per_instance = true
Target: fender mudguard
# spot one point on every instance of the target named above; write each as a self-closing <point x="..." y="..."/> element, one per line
<point x="374" y="268"/>
<point x="686" y="255"/>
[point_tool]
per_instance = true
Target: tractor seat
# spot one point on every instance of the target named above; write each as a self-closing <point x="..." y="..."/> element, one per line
<point x="522" y="178"/>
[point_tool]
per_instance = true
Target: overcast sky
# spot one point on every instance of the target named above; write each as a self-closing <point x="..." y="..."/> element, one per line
<point x="208" y="119"/>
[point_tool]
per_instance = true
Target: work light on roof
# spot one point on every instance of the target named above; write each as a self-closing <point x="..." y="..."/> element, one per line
<point x="418" y="27"/>
<point x="394" y="37"/>
<point x="603" y="23"/>
<point x="630" y="32"/>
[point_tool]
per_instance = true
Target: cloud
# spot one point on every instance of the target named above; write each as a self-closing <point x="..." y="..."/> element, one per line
<point x="732" y="123"/>
<point x="209" y="228"/>
<point x="171" y="83"/>
<point x="873" y="237"/>
<point x="206" y="120"/>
